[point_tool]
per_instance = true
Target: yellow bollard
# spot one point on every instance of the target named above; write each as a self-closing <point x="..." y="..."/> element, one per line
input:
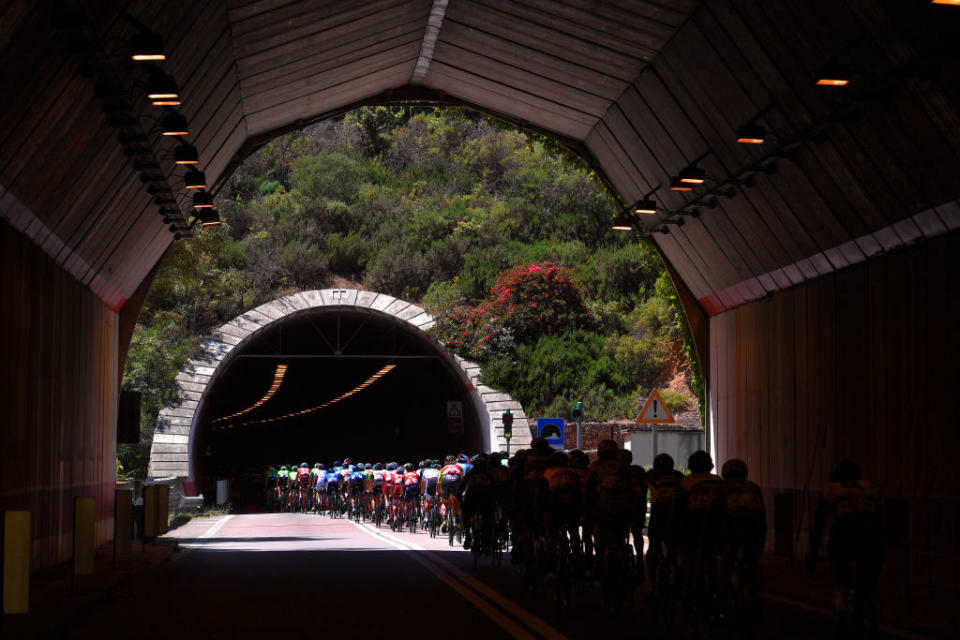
<point x="163" y="509"/>
<point x="16" y="561"/>
<point x="84" y="534"/>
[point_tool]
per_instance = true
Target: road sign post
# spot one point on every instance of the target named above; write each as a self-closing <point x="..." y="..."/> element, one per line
<point x="578" y="416"/>
<point x="655" y="412"/>
<point x="507" y="418"/>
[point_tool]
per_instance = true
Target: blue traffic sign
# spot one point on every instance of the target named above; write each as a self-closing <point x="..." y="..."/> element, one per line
<point x="551" y="430"/>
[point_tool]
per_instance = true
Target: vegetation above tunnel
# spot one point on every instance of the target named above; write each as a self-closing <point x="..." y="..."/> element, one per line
<point x="501" y="234"/>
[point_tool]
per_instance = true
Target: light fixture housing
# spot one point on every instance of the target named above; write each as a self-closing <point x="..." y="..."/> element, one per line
<point x="693" y="175"/>
<point x="162" y="89"/>
<point x="195" y="180"/>
<point x="833" y="74"/>
<point x="622" y="222"/>
<point x="676" y="184"/>
<point x="202" y="200"/>
<point x="174" y="124"/>
<point x="646" y="206"/>
<point x="147" y="47"/>
<point x="209" y="219"/>
<point x="185" y="154"/>
<point x="751" y="133"/>
<point x="952" y="3"/>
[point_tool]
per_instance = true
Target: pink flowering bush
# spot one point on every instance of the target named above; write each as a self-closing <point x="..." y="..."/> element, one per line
<point x="525" y="303"/>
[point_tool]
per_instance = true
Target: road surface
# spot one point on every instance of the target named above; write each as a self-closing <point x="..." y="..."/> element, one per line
<point x="268" y="575"/>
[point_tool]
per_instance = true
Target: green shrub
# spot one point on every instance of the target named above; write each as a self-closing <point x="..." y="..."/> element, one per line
<point x="674" y="400"/>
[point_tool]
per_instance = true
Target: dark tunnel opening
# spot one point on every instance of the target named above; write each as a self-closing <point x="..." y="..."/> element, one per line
<point x="401" y="416"/>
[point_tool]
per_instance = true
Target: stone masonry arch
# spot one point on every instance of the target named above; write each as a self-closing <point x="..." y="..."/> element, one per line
<point x="172" y="449"/>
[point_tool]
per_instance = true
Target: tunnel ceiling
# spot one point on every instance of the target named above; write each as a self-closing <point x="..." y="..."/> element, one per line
<point x="641" y="89"/>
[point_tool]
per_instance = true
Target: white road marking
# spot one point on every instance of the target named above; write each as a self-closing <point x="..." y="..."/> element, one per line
<point x="209" y="533"/>
<point x="471" y="589"/>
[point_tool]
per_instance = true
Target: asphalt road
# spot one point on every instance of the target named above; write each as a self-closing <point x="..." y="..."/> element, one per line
<point x="248" y="576"/>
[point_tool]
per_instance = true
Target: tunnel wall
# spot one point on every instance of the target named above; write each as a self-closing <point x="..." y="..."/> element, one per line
<point x="58" y="397"/>
<point x="859" y="364"/>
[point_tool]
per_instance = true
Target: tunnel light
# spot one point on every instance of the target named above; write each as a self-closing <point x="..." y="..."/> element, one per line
<point x="646" y="206"/>
<point x="278" y="376"/>
<point x="751" y="134"/>
<point x="174" y="124"/>
<point x="366" y="383"/>
<point x="678" y="185"/>
<point x="833" y="74"/>
<point x="147" y="47"/>
<point x="185" y="154"/>
<point x="195" y="180"/>
<point x="693" y="175"/>
<point x="202" y="200"/>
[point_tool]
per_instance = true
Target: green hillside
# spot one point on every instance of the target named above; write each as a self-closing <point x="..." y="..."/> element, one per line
<point x="449" y="209"/>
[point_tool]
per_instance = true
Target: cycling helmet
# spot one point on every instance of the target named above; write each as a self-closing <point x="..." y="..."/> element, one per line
<point x="700" y="462"/>
<point x="283" y="468"/>
<point x="734" y="469"/>
<point x="540" y="445"/>
<point x="421" y="464"/>
<point x="304" y="465"/>
<point x="462" y="458"/>
<point x="607" y="449"/>
<point x="559" y="459"/>
<point x="378" y="466"/>
<point x="321" y="467"/>
<point x="408" y="466"/>
<point x="450" y="458"/>
<point x="663" y="462"/>
<point x="347" y="461"/>
<point x="367" y="467"/>
<point x="391" y="466"/>
<point x="437" y="465"/>
<point x="579" y="459"/>
<point x="846" y="471"/>
<point x="338" y="464"/>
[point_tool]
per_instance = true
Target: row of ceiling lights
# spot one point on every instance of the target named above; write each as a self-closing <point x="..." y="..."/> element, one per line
<point x="278" y="375"/>
<point x="147" y="50"/>
<point x="296" y="414"/>
<point x="163" y="91"/>
<point x="833" y="73"/>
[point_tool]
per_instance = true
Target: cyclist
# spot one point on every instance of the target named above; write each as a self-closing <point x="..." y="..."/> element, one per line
<point x="475" y="494"/>
<point x="703" y="522"/>
<point x="270" y="485"/>
<point x="851" y="507"/>
<point x="638" y="509"/>
<point x="450" y="477"/>
<point x="356" y="481"/>
<point x="610" y="497"/>
<point x="580" y="463"/>
<point x="430" y="478"/>
<point x="411" y="491"/>
<point x="560" y="506"/>
<point x="665" y="516"/>
<point x="464" y="461"/>
<point x="283" y="481"/>
<point x="333" y="488"/>
<point x="746" y="527"/>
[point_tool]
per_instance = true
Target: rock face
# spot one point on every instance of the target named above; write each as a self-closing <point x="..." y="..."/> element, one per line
<point x="170" y="452"/>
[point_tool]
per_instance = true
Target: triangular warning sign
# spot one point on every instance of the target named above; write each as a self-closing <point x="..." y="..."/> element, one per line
<point x="655" y="411"/>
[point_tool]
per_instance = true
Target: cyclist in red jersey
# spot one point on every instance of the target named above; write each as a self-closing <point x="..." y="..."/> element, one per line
<point x="411" y="490"/>
<point x="451" y="475"/>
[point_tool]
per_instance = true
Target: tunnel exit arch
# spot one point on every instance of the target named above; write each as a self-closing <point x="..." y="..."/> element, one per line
<point x="175" y="440"/>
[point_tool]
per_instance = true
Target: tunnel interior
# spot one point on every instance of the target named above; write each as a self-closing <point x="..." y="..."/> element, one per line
<point x="400" y="416"/>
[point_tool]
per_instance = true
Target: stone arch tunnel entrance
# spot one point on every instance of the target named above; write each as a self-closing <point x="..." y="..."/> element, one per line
<point x="319" y="376"/>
